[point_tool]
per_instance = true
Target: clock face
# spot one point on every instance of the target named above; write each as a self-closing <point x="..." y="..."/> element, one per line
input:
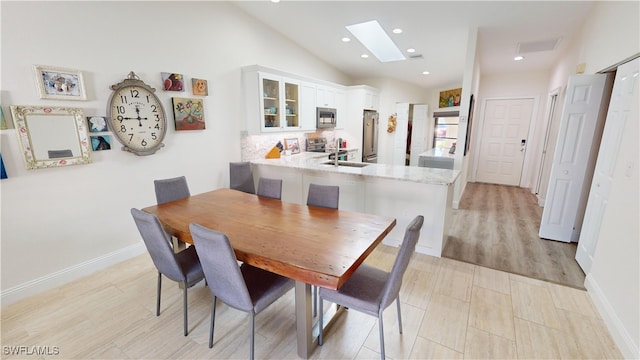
<point x="137" y="119"/>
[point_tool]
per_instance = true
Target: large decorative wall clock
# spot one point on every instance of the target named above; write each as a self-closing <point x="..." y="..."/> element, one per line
<point x="136" y="116"/>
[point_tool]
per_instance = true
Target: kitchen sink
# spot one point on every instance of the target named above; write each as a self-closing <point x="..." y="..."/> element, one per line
<point x="345" y="163"/>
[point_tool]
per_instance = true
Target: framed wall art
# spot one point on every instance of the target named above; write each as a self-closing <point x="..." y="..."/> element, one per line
<point x="172" y="81"/>
<point x="469" y="123"/>
<point x="199" y="87"/>
<point x="450" y="98"/>
<point x="59" y="83"/>
<point x="97" y="123"/>
<point x="100" y="142"/>
<point x="188" y="113"/>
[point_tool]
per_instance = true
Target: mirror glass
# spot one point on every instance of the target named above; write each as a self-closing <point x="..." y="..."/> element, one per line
<point x="51" y="136"/>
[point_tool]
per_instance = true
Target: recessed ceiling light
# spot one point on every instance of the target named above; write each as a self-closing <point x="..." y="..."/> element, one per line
<point x="346" y="39"/>
<point x="518" y="57"/>
<point x="397" y="31"/>
<point x="411" y="50"/>
<point x="275" y="1"/>
<point x="425" y="73"/>
<point x="364" y="56"/>
<point x="376" y="40"/>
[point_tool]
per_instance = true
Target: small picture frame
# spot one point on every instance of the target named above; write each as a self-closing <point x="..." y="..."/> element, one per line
<point x="100" y="142"/>
<point x="188" y="113"/>
<point x="59" y="83"/>
<point x="172" y="81"/>
<point x="97" y="124"/>
<point x="199" y="87"/>
<point x="292" y="145"/>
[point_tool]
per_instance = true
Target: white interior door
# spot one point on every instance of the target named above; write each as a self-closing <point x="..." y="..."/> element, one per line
<point x="503" y="141"/>
<point x="573" y="148"/>
<point x="625" y="92"/>
<point x="418" y="133"/>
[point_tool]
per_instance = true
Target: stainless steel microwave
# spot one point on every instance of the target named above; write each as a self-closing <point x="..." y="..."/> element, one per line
<point x="325" y="118"/>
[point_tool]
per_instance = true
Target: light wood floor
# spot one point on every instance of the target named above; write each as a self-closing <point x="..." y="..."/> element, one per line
<point x="496" y="226"/>
<point x="450" y="309"/>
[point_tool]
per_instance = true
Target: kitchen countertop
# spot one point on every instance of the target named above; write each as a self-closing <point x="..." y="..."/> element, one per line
<point x="438" y="152"/>
<point x="313" y="161"/>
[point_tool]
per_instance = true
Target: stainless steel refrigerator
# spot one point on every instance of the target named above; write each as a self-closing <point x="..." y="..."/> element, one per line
<point x="370" y="136"/>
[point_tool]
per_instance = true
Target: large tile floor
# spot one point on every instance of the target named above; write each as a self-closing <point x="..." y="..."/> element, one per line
<point x="450" y="309"/>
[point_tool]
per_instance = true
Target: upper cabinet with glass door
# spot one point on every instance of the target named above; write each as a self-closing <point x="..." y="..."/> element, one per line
<point x="280" y="103"/>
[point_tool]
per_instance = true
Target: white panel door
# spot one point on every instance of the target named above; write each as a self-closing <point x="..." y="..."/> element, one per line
<point x="625" y="92"/>
<point x="573" y="148"/>
<point x="503" y="141"/>
<point x="418" y="133"/>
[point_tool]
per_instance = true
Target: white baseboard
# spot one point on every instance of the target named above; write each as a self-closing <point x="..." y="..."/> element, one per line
<point x="616" y="328"/>
<point x="69" y="274"/>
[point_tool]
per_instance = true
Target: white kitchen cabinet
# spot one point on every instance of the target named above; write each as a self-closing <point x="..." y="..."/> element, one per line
<point x="308" y="106"/>
<point x="280" y="103"/>
<point x="325" y="96"/>
<point x="341" y="108"/>
<point x="370" y="100"/>
<point x="272" y="102"/>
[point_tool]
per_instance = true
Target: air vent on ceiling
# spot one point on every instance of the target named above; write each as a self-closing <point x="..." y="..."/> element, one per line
<point x="416" y="57"/>
<point x="535" y="46"/>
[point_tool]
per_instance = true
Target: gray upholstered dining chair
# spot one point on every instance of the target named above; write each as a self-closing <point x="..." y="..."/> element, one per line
<point x="371" y="290"/>
<point x="327" y="196"/>
<point x="169" y="190"/>
<point x="241" y="177"/>
<point x="268" y="187"/>
<point x="245" y="287"/>
<point x="183" y="267"/>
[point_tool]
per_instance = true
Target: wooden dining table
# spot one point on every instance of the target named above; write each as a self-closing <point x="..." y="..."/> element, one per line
<point x="311" y="245"/>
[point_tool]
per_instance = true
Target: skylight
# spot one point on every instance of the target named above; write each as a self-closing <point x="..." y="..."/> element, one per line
<point x="376" y="40"/>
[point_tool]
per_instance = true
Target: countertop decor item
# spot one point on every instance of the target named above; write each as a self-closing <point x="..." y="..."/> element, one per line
<point x="292" y="145"/>
<point x="136" y="117"/>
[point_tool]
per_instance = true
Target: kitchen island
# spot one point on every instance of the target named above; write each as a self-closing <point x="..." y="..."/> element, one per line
<point x="389" y="190"/>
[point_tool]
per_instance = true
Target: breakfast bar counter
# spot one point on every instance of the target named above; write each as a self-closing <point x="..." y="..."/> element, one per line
<point x="317" y="162"/>
<point x="398" y="191"/>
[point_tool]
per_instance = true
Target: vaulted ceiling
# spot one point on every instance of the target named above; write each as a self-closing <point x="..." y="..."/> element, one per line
<point x="437" y="30"/>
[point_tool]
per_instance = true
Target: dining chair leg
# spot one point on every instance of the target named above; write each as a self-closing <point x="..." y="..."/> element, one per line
<point x="320" y="324"/>
<point x="253" y="331"/>
<point x="159" y="288"/>
<point x="381" y="329"/>
<point x="399" y="315"/>
<point x="213" y="319"/>
<point x="184" y="310"/>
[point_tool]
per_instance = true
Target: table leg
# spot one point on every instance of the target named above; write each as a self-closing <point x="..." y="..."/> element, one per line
<point x="306" y="325"/>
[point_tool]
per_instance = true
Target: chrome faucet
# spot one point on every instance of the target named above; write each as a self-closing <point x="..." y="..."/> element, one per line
<point x="337" y="150"/>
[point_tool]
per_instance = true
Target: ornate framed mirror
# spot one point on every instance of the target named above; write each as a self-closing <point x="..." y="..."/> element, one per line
<point x="51" y="136"/>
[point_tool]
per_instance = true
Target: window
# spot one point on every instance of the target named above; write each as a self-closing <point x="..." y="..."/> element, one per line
<point x="445" y="129"/>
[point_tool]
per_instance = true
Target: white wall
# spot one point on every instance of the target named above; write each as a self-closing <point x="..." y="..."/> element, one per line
<point x="58" y="223"/>
<point x="610" y="35"/>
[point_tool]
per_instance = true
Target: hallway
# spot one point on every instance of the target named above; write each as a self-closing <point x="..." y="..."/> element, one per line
<point x="497" y="226"/>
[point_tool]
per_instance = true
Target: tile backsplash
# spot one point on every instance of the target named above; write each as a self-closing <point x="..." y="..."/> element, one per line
<point x="257" y="146"/>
